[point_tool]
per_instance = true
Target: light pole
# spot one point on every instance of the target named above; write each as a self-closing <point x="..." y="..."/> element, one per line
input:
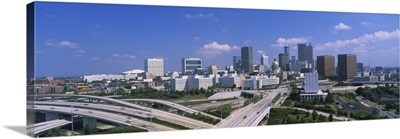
<point x="151" y="116"/>
<point x="222" y="97"/>
<point x="72" y="119"/>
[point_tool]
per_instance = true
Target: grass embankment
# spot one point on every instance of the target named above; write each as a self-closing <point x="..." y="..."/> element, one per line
<point x="345" y="99"/>
<point x="291" y="116"/>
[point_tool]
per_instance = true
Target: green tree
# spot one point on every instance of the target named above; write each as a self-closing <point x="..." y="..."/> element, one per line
<point x="88" y="131"/>
<point x="307" y="114"/>
<point x="330" y="117"/>
<point x="329" y="98"/>
<point x="321" y="118"/>
<point x="352" y="115"/>
<point x="120" y="91"/>
<point x="314" y="115"/>
<point x="360" y="91"/>
<point x="233" y="86"/>
<point x="56" y="132"/>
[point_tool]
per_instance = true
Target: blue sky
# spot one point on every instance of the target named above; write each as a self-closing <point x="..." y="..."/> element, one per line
<point x="82" y="39"/>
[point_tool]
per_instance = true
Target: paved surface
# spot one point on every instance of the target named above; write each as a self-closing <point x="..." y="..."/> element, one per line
<point x="252" y="114"/>
<point x="45" y="126"/>
<point x="106" y="116"/>
<point x="115" y="101"/>
<point x="235" y="103"/>
<point x="341" y="118"/>
<point x="224" y="95"/>
<point x="162" y="115"/>
<point x="172" y="105"/>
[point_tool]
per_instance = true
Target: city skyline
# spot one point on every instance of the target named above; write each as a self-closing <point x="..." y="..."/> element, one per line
<point x="103" y="39"/>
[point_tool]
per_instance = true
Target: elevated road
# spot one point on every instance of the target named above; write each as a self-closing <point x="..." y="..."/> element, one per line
<point x="39" y="128"/>
<point x="97" y="98"/>
<point x="172" y="105"/>
<point x="106" y="116"/>
<point x="162" y="115"/>
<point x="252" y="114"/>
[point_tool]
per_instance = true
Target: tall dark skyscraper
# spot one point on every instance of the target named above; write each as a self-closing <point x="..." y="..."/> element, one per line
<point x="347" y="66"/>
<point x="310" y="55"/>
<point x="378" y="69"/>
<point x="360" y="67"/>
<point x="237" y="60"/>
<point x="326" y="65"/>
<point x="283" y="61"/>
<point x="301" y="52"/>
<point x="286" y="50"/>
<point x="305" y="52"/>
<point x="247" y="59"/>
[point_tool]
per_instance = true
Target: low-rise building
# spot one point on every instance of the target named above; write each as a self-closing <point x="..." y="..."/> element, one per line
<point x="365" y="79"/>
<point x="311" y="88"/>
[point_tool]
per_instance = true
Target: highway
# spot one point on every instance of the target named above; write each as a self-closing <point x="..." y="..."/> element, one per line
<point x="252" y="114"/>
<point x="159" y="114"/>
<point x="172" y="105"/>
<point x="106" y="116"/>
<point x="115" y="101"/>
<point x="235" y="103"/>
<point x="38" y="128"/>
<point x="127" y="104"/>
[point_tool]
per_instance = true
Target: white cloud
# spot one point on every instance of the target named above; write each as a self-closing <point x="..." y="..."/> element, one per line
<point x="285" y="42"/>
<point x="67" y="44"/>
<point x="124" y="56"/>
<point x="200" y="15"/>
<point x="196" y="38"/>
<point x="362" y="49"/>
<point x="361" y="41"/>
<point x="80" y="51"/>
<point x="39" y="52"/>
<point x="188" y="16"/>
<point x="213" y="49"/>
<point x="366" y="23"/>
<point x="95" y="58"/>
<point x="260" y="52"/>
<point x="342" y="26"/>
<point x="366" y="38"/>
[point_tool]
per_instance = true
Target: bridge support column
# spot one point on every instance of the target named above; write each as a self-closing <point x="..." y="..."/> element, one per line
<point x="97" y="101"/>
<point x="51" y="116"/>
<point x="149" y="104"/>
<point x="166" y="108"/>
<point x="52" y="98"/>
<point x="91" y="122"/>
<point x="180" y="112"/>
<point x="76" y="99"/>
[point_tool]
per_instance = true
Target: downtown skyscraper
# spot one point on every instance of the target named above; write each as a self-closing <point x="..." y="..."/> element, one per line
<point x="347" y="66"/>
<point x="326" y="65"/>
<point x="247" y="59"/>
<point x="305" y="53"/>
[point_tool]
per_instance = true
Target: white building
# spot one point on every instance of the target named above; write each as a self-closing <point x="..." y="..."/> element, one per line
<point x="192" y="82"/>
<point x="189" y="65"/>
<point x="257" y="82"/>
<point x="365" y="79"/>
<point x="154" y="66"/>
<point x="264" y="61"/>
<point x="198" y="82"/>
<point x="311" y="89"/>
<point x="230" y="80"/>
<point x="179" y="84"/>
<point x="311" y="82"/>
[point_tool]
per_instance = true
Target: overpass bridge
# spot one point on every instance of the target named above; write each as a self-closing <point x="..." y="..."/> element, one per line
<point x="252" y="114"/>
<point x="167" y="105"/>
<point x="90" y="117"/>
<point x="40" y="128"/>
<point x="162" y="115"/>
